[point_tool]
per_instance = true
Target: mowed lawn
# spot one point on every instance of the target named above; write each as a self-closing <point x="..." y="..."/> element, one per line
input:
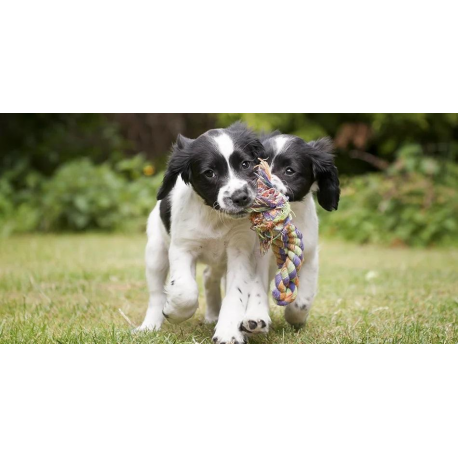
<point x="71" y="288"/>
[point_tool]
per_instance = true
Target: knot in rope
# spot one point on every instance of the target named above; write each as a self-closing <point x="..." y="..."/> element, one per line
<point x="270" y="216"/>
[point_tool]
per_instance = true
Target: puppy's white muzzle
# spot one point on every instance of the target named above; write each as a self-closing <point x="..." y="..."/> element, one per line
<point x="236" y="196"/>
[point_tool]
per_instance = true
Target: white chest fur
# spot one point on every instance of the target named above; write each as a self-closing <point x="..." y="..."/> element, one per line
<point x="202" y="230"/>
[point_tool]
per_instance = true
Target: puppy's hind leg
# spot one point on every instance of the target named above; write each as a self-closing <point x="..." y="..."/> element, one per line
<point x="157" y="267"/>
<point x="212" y="285"/>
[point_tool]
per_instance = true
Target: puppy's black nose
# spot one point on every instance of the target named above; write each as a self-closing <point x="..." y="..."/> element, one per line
<point x="241" y="197"/>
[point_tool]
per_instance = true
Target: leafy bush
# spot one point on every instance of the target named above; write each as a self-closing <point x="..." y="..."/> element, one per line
<point x="81" y="196"/>
<point x="414" y="203"/>
<point x="18" y="213"/>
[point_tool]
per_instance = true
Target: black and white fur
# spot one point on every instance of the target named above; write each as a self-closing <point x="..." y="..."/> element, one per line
<point x="201" y="216"/>
<point x="298" y="168"/>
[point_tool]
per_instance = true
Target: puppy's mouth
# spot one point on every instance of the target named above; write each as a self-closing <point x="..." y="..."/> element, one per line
<point x="231" y="212"/>
<point x="236" y="214"/>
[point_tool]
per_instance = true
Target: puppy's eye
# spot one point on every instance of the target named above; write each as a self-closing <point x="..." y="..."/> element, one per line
<point x="246" y="164"/>
<point x="209" y="173"/>
<point x="289" y="171"/>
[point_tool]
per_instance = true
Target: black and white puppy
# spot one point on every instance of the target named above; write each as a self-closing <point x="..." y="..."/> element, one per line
<point x="299" y="168"/>
<point x="201" y="216"/>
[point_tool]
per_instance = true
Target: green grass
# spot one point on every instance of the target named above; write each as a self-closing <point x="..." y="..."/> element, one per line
<point x="69" y="289"/>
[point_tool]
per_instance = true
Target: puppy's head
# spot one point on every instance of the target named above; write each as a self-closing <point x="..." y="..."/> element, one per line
<point x="297" y="166"/>
<point x="220" y="167"/>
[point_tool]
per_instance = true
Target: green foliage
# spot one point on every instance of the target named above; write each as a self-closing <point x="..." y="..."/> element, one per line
<point x="70" y="172"/>
<point x="43" y="142"/>
<point x="81" y="196"/>
<point x="414" y="203"/>
<point x="17" y="210"/>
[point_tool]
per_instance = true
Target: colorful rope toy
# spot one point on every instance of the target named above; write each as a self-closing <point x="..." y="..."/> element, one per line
<point x="271" y="219"/>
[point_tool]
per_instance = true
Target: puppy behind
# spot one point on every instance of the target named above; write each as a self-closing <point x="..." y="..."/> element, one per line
<point x="299" y="168"/>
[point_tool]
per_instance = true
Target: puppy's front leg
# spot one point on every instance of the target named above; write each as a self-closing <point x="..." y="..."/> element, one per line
<point x="257" y="319"/>
<point x="182" y="290"/>
<point x="239" y="281"/>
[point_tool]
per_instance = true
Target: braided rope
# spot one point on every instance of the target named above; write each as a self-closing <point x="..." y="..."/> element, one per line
<point x="270" y="216"/>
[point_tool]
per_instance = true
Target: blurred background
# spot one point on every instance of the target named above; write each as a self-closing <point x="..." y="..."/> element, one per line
<point x="100" y="172"/>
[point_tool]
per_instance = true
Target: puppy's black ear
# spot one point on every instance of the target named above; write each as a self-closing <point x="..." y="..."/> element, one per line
<point x="325" y="173"/>
<point x="179" y="164"/>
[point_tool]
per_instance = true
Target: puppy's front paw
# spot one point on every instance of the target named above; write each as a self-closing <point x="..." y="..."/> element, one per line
<point x="228" y="336"/>
<point x="255" y="325"/>
<point x="148" y="326"/>
<point x="153" y="320"/>
<point x="296" y="313"/>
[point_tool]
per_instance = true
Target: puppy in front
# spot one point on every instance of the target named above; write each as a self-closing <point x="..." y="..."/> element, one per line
<point x="201" y="215"/>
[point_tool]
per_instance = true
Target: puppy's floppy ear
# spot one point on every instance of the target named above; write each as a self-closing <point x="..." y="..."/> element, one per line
<point x="179" y="164"/>
<point x="325" y="173"/>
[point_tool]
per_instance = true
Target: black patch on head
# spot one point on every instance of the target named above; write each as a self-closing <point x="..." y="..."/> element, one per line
<point x="309" y="162"/>
<point x="194" y="159"/>
<point x="206" y="157"/>
<point x="294" y="157"/>
<point x="190" y="159"/>
<point x="165" y="211"/>
<point x="247" y="149"/>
